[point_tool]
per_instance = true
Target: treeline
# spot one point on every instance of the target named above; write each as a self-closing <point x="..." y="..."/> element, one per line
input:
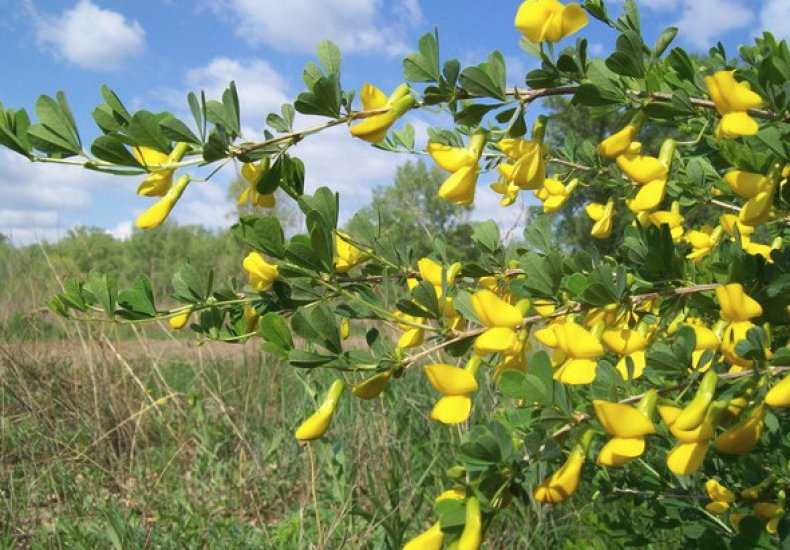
<point x="30" y="274"/>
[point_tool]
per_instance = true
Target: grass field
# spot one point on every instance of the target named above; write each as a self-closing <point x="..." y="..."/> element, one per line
<point x="163" y="444"/>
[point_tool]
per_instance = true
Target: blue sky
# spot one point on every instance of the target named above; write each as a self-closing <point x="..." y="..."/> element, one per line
<point x="153" y="52"/>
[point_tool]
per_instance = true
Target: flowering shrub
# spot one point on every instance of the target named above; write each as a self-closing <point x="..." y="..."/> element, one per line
<point x="661" y="370"/>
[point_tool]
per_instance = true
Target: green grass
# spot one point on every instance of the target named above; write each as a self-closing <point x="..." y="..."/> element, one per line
<point x="99" y="450"/>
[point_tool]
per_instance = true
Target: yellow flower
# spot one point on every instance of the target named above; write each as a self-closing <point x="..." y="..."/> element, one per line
<point x="743" y="437"/>
<point x="252" y="174"/>
<point x="501" y="318"/>
<point x="692" y="428"/>
<point x="159" y="181"/>
<point x="261" y="273"/>
<point x="729" y="222"/>
<point x="779" y="395"/>
<point x="346" y="254"/>
<point x="528" y="170"/>
<point x="639" y="168"/>
<point x="158" y="213"/>
<point x="548" y="20"/>
<point x="732" y="100"/>
<point x="432" y="272"/>
<point x="578" y="348"/>
<point x="735" y="304"/>
<point x="639" y="360"/>
<point x="602" y="215"/>
<point x="180" y="321"/>
<point x="554" y="194"/>
<point x="373" y="386"/>
<point x="628" y="427"/>
<point x="315" y="426"/>
<point x="561" y="484"/>
<point x="459" y="188"/>
<point x="702" y="243"/>
<point x="508" y="190"/>
<point x="619" y="142"/>
<point x="717" y="491"/>
<point x="757" y="209"/>
<point x="374" y="128"/>
<point x="747" y="184"/>
<point x="430" y="539"/>
<point x="455" y="384"/>
<point x="672" y="219"/>
<point x="624" y="341"/>
<point x="251" y="320"/>
<point x="704" y="339"/>
<point x="470" y="536"/>
<point x="413" y="336"/>
<point x="685" y="458"/>
<point x="720" y="496"/>
<point x="648" y="197"/>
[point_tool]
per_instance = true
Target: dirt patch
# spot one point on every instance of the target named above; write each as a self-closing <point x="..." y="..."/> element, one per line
<point x="128" y="350"/>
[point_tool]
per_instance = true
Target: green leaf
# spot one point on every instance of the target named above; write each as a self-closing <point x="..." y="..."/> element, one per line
<point x="481" y="447"/>
<point x="114" y="103"/>
<point x="323" y="99"/>
<point x="471" y="115"/>
<point x="230" y="102"/>
<point x="486" y="79"/>
<point x="308" y="360"/>
<point x="325" y="202"/>
<point x="110" y="149"/>
<point x="190" y="286"/>
<point x="275" y="330"/>
<point x="198" y="113"/>
<point x="329" y="56"/>
<point x="143" y="129"/>
<point x="423" y="65"/>
<point x="261" y="233"/>
<point x="662" y="43"/>
<point x="510" y="383"/>
<point x="57" y="118"/>
<point x="627" y="59"/>
<point x="450" y="71"/>
<point x="73" y="294"/>
<point x="68" y="116"/>
<point x="13" y="130"/>
<point x="217" y="145"/>
<point x="104" y="289"/>
<point x="486" y="234"/>
<point x="175" y="130"/>
<point x="318" y="326"/>
<point x="138" y="301"/>
<point x="321" y="239"/>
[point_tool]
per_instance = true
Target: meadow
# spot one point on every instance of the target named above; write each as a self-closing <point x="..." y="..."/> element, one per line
<point x="120" y="437"/>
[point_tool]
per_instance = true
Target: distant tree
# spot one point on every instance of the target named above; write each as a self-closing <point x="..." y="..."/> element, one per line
<point x="413" y="214"/>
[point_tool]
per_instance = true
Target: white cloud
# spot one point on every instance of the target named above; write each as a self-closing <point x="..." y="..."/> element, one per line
<point x="261" y="89"/>
<point x="204" y="203"/>
<point x="660" y="5"/>
<point x="89" y="36"/>
<point x="346" y="165"/>
<point x="122" y="230"/>
<point x="703" y="22"/>
<point x="775" y="17"/>
<point x="297" y="25"/>
<point x="38" y="197"/>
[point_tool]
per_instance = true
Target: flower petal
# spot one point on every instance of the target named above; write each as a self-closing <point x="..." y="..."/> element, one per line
<point x="450" y="380"/>
<point x="452" y="409"/>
